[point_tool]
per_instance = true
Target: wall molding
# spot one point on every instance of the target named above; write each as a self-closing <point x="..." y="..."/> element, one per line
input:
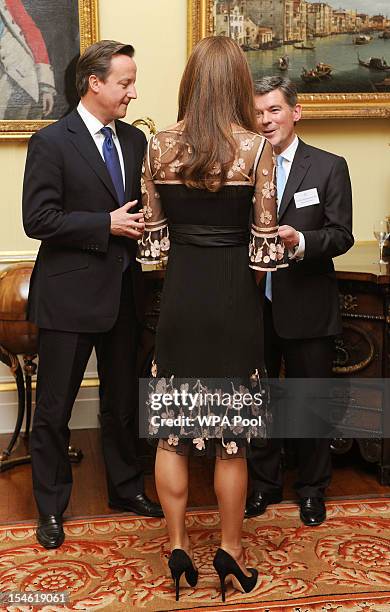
<point x="84" y="414"/>
<point x="10" y="257"/>
<point x="9" y="385"/>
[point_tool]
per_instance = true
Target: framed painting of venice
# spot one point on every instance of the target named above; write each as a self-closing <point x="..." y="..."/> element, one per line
<point x="40" y="42"/>
<point x="337" y="52"/>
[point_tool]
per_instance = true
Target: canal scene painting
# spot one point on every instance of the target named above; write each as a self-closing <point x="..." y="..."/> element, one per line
<point x="338" y="46"/>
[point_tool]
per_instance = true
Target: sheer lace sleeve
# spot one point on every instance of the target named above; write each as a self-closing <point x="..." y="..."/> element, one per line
<point x="266" y="250"/>
<point x="154" y="245"/>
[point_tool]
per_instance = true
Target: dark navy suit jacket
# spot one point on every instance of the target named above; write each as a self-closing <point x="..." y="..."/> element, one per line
<point x="67" y="197"/>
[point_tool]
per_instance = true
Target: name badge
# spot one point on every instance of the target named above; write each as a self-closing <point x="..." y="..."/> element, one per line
<point x="306" y="198"/>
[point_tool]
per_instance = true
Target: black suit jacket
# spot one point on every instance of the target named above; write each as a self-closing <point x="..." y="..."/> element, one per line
<point x="67" y="197"/>
<point x="305" y="301"/>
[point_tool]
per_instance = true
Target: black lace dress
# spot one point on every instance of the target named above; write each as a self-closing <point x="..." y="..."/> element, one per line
<point x="210" y="323"/>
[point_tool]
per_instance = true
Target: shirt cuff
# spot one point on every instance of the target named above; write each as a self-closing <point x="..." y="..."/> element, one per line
<point x="298" y="252"/>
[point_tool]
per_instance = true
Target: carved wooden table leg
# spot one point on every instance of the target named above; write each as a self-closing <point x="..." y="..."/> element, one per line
<point x="12" y="362"/>
<point x="30" y="368"/>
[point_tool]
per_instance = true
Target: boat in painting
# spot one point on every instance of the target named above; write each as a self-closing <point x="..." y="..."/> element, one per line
<point x="309" y="76"/>
<point x="362" y="39"/>
<point x="321" y="71"/>
<point x="283" y="62"/>
<point x="305" y="45"/>
<point x="324" y="70"/>
<point x="374" y="63"/>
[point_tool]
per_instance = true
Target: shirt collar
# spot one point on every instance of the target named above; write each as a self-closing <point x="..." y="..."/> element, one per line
<point x="289" y="153"/>
<point x="93" y="124"/>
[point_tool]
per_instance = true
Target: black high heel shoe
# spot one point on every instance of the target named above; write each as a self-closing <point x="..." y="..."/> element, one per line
<point x="225" y="565"/>
<point x="180" y="563"/>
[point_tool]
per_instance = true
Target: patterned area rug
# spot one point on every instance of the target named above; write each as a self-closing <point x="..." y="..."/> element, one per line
<point x="120" y="563"/>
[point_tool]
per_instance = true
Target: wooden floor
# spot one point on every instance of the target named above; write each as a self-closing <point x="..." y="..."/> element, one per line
<point x="352" y="477"/>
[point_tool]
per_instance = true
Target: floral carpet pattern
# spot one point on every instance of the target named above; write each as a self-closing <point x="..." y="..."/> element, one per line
<point x="120" y="563"/>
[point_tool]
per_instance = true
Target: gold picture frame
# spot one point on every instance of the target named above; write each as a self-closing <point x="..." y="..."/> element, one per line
<point x="315" y="106"/>
<point x="88" y="25"/>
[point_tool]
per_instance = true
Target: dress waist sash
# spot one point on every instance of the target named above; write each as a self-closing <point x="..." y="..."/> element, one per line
<point x="208" y="235"/>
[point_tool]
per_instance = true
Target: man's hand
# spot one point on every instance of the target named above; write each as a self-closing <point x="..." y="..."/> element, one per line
<point x="289" y="235"/>
<point x="47" y="103"/>
<point x="123" y="223"/>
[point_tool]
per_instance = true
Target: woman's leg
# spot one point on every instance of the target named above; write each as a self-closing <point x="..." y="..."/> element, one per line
<point x="230" y="484"/>
<point x="171" y="472"/>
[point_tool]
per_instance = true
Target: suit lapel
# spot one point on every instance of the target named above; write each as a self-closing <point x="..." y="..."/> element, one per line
<point x="128" y="158"/>
<point x="85" y="145"/>
<point x="298" y="171"/>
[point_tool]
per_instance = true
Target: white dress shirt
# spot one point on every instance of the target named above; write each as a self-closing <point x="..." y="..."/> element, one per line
<point x="94" y="126"/>
<point x="288" y="158"/>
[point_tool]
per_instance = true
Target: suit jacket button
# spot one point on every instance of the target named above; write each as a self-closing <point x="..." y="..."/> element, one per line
<point x="120" y="258"/>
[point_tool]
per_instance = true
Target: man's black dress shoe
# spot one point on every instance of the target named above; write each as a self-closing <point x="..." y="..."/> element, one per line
<point x="257" y="503"/>
<point x="50" y="533"/>
<point x="313" y="511"/>
<point x="140" y="504"/>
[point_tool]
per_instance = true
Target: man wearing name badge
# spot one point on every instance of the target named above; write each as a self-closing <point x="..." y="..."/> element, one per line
<point x="81" y="186"/>
<point x="301" y="312"/>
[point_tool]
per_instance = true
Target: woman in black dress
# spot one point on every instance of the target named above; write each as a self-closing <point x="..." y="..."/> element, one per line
<point x="206" y="181"/>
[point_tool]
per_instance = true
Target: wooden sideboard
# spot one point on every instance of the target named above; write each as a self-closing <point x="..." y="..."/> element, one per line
<point x="364" y="348"/>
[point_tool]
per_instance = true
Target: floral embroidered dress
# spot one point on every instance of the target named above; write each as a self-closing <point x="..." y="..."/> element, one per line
<point x="210" y="323"/>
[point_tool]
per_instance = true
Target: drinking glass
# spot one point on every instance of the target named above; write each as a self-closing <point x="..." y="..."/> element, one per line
<point x="381" y="233"/>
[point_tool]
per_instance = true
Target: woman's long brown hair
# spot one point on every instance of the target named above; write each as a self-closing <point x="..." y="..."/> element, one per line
<point x="215" y="92"/>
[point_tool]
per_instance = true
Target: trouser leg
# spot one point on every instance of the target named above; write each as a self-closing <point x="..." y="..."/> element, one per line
<point x="116" y="356"/>
<point x="265" y="460"/>
<point x="63" y="357"/>
<point x="311" y="358"/>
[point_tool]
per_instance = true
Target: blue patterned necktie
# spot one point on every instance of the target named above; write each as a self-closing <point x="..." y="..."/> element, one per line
<point x="111" y="158"/>
<point x="280" y="186"/>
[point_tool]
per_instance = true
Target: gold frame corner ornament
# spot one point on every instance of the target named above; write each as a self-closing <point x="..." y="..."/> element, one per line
<point x="12" y="129"/>
<point x="315" y="106"/>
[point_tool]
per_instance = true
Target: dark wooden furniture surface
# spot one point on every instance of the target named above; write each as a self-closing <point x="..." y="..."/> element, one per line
<point x="364" y="349"/>
<point x="18" y="344"/>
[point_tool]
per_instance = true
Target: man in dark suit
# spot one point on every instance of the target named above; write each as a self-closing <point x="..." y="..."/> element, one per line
<point x="82" y="181"/>
<point x="301" y="311"/>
